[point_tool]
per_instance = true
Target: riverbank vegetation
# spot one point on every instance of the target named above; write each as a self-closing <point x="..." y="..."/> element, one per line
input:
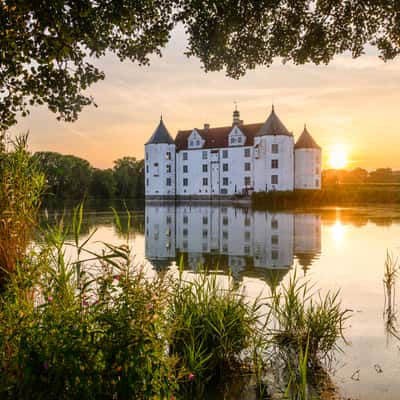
<point x="335" y="195"/>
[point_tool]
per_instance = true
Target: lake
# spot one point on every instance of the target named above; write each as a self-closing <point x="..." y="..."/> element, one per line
<point x="335" y="248"/>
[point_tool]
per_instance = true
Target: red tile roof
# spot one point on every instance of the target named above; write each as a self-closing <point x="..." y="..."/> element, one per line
<point x="217" y="137"/>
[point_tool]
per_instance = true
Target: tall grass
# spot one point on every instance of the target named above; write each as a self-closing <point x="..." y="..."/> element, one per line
<point x="211" y="326"/>
<point x="21" y="187"/>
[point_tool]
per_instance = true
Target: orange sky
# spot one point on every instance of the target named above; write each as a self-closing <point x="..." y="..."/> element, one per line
<point x="351" y="103"/>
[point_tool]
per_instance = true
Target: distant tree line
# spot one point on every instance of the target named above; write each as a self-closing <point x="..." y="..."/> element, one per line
<point x="360" y="176"/>
<point x="70" y="177"/>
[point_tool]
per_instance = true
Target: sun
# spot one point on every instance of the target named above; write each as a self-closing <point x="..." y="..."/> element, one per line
<point x="338" y="157"/>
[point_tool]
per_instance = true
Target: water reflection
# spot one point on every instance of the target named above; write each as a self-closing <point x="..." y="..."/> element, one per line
<point x="246" y="243"/>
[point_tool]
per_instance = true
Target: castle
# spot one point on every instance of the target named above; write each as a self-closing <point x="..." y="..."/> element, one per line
<point x="233" y="160"/>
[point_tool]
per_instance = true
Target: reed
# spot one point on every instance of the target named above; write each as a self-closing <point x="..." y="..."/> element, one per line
<point x="303" y="316"/>
<point x="212" y="326"/>
<point x="21" y="187"/>
<point x="390" y="275"/>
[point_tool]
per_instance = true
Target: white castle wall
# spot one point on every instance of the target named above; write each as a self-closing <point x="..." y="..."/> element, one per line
<point x="263" y="170"/>
<point x="307" y="168"/>
<point x="156" y="173"/>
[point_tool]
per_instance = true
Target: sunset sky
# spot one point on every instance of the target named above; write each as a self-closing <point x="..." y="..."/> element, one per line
<point x="350" y="106"/>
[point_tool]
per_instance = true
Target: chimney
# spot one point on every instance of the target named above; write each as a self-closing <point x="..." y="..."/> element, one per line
<point x="206" y="127"/>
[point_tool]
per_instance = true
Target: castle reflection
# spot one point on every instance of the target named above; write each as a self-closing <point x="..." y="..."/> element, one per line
<point x="246" y="243"/>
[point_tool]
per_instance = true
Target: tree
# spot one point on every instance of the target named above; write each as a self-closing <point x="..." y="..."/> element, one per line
<point x="129" y="176"/>
<point x="67" y="176"/>
<point x="103" y="184"/>
<point x="47" y="48"/>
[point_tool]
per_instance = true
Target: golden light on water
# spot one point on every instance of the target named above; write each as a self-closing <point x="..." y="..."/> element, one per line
<point x="338" y="231"/>
<point x="338" y="157"/>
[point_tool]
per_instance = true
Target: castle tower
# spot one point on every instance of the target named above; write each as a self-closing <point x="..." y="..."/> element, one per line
<point x="307" y="162"/>
<point x="160" y="163"/>
<point x="274" y="157"/>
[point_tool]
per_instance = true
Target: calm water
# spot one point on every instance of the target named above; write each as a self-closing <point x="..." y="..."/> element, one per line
<point x="335" y="248"/>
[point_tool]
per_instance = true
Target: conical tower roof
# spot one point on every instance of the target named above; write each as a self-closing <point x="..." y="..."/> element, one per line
<point x="273" y="126"/>
<point x="306" y="141"/>
<point x="161" y="135"/>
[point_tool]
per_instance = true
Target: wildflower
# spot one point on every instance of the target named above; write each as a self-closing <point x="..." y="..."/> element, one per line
<point x="117" y="277"/>
<point x="191" y="377"/>
<point x="50" y="299"/>
<point x="85" y="303"/>
<point x="149" y="306"/>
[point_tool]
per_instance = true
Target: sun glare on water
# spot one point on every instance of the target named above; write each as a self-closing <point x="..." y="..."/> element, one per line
<point x="338" y="157"/>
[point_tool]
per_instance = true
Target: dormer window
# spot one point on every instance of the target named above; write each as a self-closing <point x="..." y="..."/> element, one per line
<point x="195" y="141"/>
<point x="236" y="137"/>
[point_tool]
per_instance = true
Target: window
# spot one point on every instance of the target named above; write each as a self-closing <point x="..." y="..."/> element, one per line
<point x="274" y="179"/>
<point x="274" y="239"/>
<point x="169" y="182"/>
<point x="225" y="220"/>
<point x="274" y="164"/>
<point x="168" y="219"/>
<point x="185" y="181"/>
<point x="147" y="182"/>
<point x="225" y="235"/>
<point x="198" y="142"/>
<point x="317" y="182"/>
<point x="274" y="224"/>
<point x="147" y="155"/>
<point x="168" y="155"/>
<point x="205" y="220"/>
<point x="205" y="155"/>
<point x="239" y="139"/>
<point x="205" y="181"/>
<point x="185" y="244"/>
<point x="233" y="140"/>
<point x="185" y="169"/>
<point x="274" y="254"/>
<point x="168" y="168"/>
<point x="247" y="152"/>
<point x="184" y="156"/>
<point x="156" y="164"/>
<point x="147" y="168"/>
<point x="225" y="181"/>
<point x="224" y="248"/>
<point x="275" y="148"/>
<point x="246" y="249"/>
<point x="205" y="233"/>
<point x="247" y="236"/>
<point x="247" y="221"/>
<point x="185" y="219"/>
<point x="204" y="246"/>
<point x="225" y="167"/>
<point x="205" y="168"/>
<point x="247" y="181"/>
<point x="185" y="232"/>
<point x="224" y="153"/>
<point x="247" y="166"/>
<point x="191" y="143"/>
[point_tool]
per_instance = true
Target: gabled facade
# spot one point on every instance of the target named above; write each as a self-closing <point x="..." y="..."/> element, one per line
<point x="228" y="161"/>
